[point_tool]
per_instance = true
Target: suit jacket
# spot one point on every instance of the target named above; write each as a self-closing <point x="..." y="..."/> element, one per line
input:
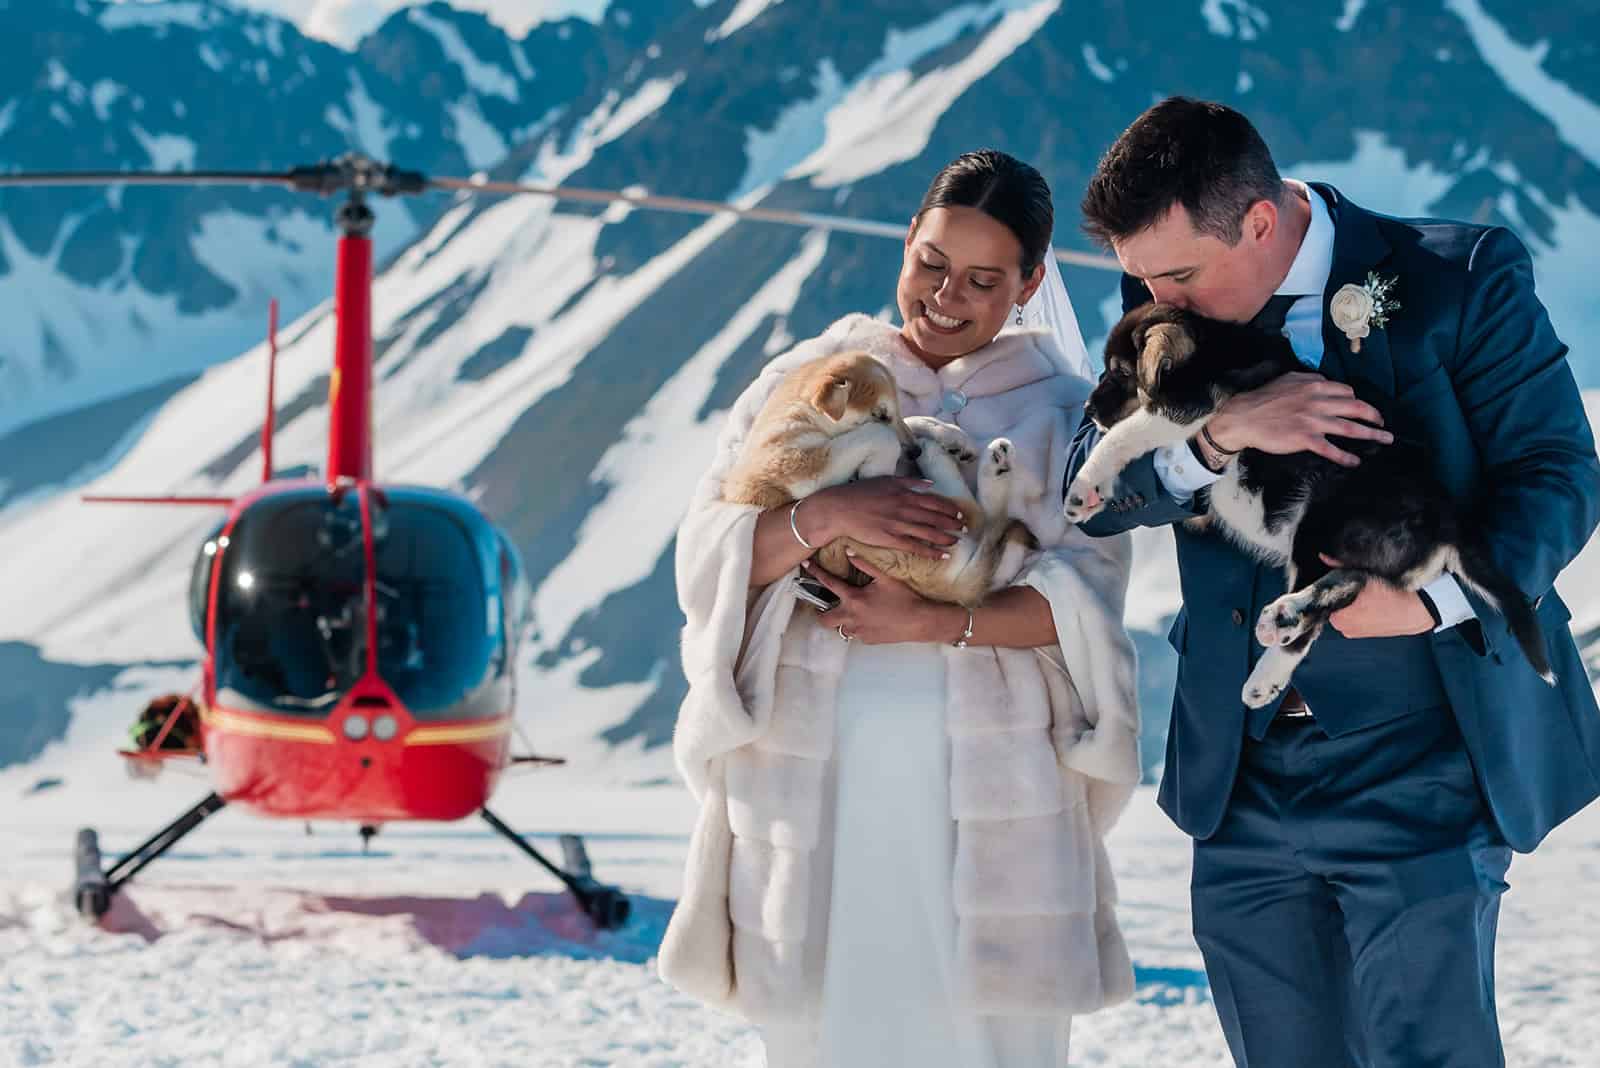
<point x="1470" y="365"/>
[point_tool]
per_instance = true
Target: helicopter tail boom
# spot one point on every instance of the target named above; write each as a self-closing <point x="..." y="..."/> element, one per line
<point x="204" y="502"/>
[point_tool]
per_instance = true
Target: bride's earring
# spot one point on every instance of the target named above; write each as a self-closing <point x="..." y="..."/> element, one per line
<point x="1019" y="315"/>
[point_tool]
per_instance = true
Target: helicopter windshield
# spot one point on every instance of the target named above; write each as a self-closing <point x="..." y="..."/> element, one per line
<point x="292" y="612"/>
<point x="291" y="627"/>
<point x="441" y="647"/>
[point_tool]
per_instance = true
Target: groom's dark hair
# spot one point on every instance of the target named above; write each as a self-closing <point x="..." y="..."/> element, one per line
<point x="1203" y="155"/>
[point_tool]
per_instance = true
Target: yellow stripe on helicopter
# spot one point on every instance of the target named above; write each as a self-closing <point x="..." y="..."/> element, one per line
<point x="235" y="723"/>
<point x="477" y="732"/>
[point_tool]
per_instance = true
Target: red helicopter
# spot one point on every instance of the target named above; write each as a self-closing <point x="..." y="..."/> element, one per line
<point x="360" y="637"/>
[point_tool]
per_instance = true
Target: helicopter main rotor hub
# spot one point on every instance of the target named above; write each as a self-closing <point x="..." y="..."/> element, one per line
<point x="356" y="173"/>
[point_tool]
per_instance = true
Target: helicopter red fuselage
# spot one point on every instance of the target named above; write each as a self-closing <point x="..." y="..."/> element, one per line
<point x="359" y="649"/>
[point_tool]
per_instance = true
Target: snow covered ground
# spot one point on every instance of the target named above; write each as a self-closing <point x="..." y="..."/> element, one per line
<point x="254" y="944"/>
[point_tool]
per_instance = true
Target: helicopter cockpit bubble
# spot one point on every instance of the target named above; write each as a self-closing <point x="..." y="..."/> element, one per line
<point x="441" y="646"/>
<point x="293" y="591"/>
<point x="291" y="604"/>
<point x="200" y="581"/>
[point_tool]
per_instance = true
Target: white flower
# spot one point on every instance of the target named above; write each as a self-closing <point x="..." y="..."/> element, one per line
<point x="1355" y="310"/>
<point x="1351" y="309"/>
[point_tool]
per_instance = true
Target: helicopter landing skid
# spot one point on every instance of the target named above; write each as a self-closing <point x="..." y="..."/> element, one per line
<point x="607" y="906"/>
<point x="95" y="887"/>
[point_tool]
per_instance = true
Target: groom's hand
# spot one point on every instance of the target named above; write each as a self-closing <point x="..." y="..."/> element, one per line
<point x="1297" y="413"/>
<point x="1380" y="611"/>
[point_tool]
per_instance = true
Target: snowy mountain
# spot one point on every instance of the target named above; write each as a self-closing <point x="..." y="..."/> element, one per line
<point x="569" y="366"/>
<point x="106" y="291"/>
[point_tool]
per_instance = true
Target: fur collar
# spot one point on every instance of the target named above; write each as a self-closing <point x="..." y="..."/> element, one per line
<point x="1006" y="363"/>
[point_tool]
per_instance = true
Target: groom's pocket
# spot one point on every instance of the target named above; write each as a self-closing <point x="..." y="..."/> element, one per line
<point x="1178" y="636"/>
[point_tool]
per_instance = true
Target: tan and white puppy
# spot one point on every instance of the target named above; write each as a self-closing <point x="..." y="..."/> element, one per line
<point x="994" y="547"/>
<point x="831" y="419"/>
<point x="837" y="418"/>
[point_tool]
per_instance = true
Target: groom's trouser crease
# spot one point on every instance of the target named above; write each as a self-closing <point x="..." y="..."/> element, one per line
<point x="1373" y="856"/>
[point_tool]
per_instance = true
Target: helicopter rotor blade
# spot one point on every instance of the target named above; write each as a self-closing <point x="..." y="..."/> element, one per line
<point x="688" y="206"/>
<point x="196" y="178"/>
<point x="352" y="172"/>
<point x="682" y="205"/>
<point x="358" y="174"/>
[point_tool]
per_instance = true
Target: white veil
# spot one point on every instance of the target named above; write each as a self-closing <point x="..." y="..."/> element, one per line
<point x="1051" y="309"/>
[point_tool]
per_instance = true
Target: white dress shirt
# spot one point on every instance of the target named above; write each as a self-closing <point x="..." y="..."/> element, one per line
<point x="1176" y="465"/>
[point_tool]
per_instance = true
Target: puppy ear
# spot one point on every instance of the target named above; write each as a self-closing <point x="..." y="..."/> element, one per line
<point x="1166" y="345"/>
<point x="831" y="397"/>
<point x="1123" y="340"/>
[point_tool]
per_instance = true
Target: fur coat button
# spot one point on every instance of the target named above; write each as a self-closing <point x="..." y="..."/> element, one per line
<point x="953" y="401"/>
<point x="1238" y="618"/>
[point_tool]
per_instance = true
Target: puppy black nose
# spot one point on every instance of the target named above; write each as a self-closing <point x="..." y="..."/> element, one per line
<point x="912" y="451"/>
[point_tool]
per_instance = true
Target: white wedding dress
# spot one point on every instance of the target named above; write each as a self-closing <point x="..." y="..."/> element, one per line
<point x="888" y="971"/>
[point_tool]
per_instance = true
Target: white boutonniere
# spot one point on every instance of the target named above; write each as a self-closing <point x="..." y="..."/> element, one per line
<point x="1357" y="309"/>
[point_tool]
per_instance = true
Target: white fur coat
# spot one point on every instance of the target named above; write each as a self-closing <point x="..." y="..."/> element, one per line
<point x="1044" y="743"/>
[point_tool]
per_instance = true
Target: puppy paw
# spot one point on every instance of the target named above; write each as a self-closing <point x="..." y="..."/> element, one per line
<point x="1281" y="622"/>
<point x="1085" y="499"/>
<point x="999" y="458"/>
<point x="1262" y="689"/>
<point x="955" y="442"/>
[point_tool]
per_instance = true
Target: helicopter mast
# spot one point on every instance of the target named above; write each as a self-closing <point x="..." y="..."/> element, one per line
<point x="350" y="387"/>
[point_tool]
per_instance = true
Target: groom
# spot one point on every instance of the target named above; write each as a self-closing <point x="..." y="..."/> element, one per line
<point x="1351" y="842"/>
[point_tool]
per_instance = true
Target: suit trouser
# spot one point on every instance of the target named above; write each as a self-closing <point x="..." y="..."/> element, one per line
<point x="1346" y="906"/>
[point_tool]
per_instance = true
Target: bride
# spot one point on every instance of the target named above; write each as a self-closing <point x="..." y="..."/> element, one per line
<point x="899" y="853"/>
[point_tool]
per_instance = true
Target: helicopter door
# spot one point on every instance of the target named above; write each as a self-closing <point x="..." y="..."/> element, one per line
<point x="291" y="628"/>
<point x="441" y="639"/>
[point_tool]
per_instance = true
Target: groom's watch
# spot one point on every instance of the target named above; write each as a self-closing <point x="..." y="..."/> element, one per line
<point x="1217" y="466"/>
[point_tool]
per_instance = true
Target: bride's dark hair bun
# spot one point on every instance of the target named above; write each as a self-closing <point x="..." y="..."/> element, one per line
<point x="1003" y="188"/>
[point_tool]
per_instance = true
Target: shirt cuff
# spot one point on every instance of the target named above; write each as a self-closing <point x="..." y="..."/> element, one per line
<point x="1181" y="474"/>
<point x="1453" y="606"/>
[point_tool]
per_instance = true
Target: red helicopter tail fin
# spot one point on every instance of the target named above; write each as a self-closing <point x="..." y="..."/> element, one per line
<point x="266" y="437"/>
<point x="272" y="373"/>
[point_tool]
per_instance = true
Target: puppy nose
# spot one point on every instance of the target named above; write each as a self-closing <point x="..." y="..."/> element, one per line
<point x="912" y="451"/>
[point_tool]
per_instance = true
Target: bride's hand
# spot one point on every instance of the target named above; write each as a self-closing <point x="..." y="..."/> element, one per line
<point x="890" y="512"/>
<point x="887" y="610"/>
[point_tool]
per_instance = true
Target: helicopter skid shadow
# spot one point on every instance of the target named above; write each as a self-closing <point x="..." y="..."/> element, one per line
<point x="125" y="917"/>
<point x="536" y="925"/>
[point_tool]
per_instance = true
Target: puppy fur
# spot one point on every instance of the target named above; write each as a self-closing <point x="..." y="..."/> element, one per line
<point x="989" y="554"/>
<point x="1167" y="371"/>
<point x="831" y="419"/>
<point x="838" y="418"/>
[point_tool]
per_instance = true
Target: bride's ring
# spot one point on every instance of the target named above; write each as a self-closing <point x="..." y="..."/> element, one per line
<point x="842" y="634"/>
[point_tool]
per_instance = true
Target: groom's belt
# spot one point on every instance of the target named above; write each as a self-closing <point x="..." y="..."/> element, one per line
<point x="1293" y="706"/>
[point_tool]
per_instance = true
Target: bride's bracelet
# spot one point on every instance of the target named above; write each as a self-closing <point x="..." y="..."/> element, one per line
<point x="796" y="528"/>
<point x="966" y="635"/>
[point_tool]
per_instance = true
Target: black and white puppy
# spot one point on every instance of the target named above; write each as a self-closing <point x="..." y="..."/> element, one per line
<point x="1167" y="371"/>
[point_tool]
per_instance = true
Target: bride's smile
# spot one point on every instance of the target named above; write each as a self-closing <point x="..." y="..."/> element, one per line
<point x="960" y="280"/>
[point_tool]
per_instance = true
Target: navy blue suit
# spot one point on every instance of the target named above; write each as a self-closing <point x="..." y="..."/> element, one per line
<point x="1347" y="871"/>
